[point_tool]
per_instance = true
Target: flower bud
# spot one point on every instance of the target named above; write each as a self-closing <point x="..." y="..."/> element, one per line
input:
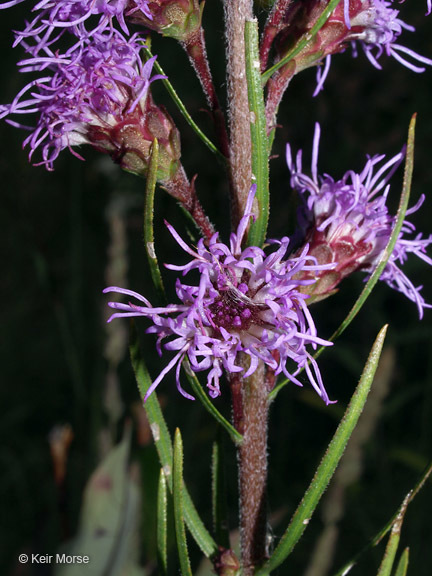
<point x="226" y="563"/>
<point x="179" y="19"/>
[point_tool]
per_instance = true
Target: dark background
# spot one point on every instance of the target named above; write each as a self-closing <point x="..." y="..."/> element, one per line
<point x="57" y="244"/>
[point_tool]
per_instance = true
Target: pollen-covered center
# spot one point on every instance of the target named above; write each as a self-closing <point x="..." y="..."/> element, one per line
<point x="234" y="310"/>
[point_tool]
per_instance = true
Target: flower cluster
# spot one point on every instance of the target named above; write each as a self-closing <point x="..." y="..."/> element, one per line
<point x="245" y="302"/>
<point x="379" y="29"/>
<point x="375" y="27"/>
<point x="80" y="18"/>
<point x="93" y="94"/>
<point x="372" y="26"/>
<point x="347" y="222"/>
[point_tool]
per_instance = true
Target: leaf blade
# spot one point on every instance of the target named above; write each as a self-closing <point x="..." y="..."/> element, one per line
<point x="182" y="108"/>
<point x="180" y="531"/>
<point x="329" y="462"/>
<point x="402" y="567"/>
<point x="258" y="128"/>
<point x="388" y="526"/>
<point x="148" y="221"/>
<point x="162" y="439"/>
<point x="162" y="525"/>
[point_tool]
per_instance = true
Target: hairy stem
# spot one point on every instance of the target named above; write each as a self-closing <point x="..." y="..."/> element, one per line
<point x="180" y="188"/>
<point x="196" y="50"/>
<point x="273" y="26"/>
<point x="276" y="87"/>
<point x="250" y="412"/>
<point x="236" y="14"/>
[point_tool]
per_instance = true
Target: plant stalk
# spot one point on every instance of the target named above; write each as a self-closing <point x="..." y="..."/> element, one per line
<point x="180" y="188"/>
<point x="196" y="50"/>
<point x="236" y="14"/>
<point x="250" y="413"/>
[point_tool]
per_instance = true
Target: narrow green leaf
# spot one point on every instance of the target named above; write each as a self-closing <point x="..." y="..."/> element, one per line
<point x="162" y="525"/>
<point x="219" y="497"/>
<point x="308" y="37"/>
<point x="153" y="410"/>
<point x="389" y="525"/>
<point x="148" y="221"/>
<point x="182" y="108"/>
<point x="258" y="127"/>
<point x="370" y="284"/>
<point x="208" y="405"/>
<point x="386" y="566"/>
<point x="182" y="549"/>
<point x="329" y="462"/>
<point x="196" y="527"/>
<point x="402" y="567"/>
<point x="163" y="444"/>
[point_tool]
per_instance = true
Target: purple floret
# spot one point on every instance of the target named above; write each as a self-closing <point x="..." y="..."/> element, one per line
<point x="245" y="301"/>
<point x="353" y="209"/>
<point x="375" y="27"/>
<point x="381" y="28"/>
<point x="81" y="18"/>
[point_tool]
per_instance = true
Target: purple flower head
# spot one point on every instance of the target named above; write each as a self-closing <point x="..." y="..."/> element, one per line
<point x="245" y="301"/>
<point x="81" y="18"/>
<point x="347" y="221"/>
<point x="375" y="26"/>
<point x="380" y="29"/>
<point x="91" y="94"/>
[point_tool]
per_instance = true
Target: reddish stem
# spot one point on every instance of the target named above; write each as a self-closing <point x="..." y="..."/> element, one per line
<point x="250" y="414"/>
<point x="180" y="188"/>
<point x="276" y="87"/>
<point x="196" y="50"/>
<point x="275" y="23"/>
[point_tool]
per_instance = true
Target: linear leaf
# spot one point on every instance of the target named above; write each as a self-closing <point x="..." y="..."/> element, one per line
<point x="148" y="221"/>
<point x="162" y="524"/>
<point x="182" y="108"/>
<point x="258" y="127"/>
<point x="402" y="567"/>
<point x="163" y="443"/>
<point x="329" y="462"/>
<point x="182" y="549"/>
<point x="208" y="405"/>
<point x="388" y="526"/>
<point x="153" y="410"/>
<point x="386" y="566"/>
